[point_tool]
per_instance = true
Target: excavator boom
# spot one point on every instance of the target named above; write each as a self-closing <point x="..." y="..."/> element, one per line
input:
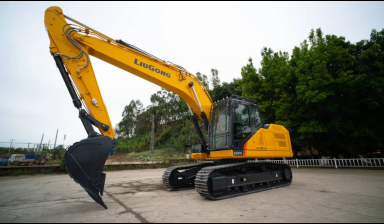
<point x="120" y="54"/>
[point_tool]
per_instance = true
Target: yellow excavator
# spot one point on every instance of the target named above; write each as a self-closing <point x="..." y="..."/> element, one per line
<point x="237" y="135"/>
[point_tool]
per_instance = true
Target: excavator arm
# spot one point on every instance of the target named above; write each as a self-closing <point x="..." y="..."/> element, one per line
<point x="71" y="46"/>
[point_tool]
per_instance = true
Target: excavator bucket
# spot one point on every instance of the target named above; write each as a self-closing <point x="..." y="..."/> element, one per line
<point x="84" y="162"/>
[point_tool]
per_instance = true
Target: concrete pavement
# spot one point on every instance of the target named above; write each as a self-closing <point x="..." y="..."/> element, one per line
<point x="316" y="195"/>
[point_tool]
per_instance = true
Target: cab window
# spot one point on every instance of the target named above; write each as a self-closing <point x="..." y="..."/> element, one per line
<point x="220" y="127"/>
<point x="255" y="118"/>
<point x="242" y="124"/>
<point x="219" y="124"/>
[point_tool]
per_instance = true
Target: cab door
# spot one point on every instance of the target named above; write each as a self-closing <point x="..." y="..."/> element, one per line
<point x="246" y="122"/>
<point x="242" y="128"/>
<point x="220" y="131"/>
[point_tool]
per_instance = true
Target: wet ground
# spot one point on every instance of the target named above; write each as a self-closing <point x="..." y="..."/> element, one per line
<point x="316" y="195"/>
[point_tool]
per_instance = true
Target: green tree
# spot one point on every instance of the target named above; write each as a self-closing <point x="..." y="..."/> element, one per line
<point x="204" y="79"/>
<point x="126" y="127"/>
<point x="329" y="93"/>
<point x="226" y="89"/>
<point x="215" y="80"/>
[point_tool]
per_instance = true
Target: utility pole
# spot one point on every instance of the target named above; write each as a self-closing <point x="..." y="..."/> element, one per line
<point x="56" y="138"/>
<point x="48" y="144"/>
<point x="153" y="135"/>
<point x="64" y="140"/>
<point x="9" y="151"/>
<point x="41" y="143"/>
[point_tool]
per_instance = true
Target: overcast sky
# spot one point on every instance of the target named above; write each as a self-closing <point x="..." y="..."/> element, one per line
<point x="197" y="36"/>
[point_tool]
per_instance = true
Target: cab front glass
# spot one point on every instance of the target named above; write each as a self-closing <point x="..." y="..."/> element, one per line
<point x="220" y="123"/>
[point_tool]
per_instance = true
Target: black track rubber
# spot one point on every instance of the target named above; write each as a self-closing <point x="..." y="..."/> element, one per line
<point x="168" y="175"/>
<point x="202" y="179"/>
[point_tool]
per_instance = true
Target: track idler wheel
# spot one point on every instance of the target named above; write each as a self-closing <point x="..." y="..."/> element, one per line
<point x="287" y="174"/>
<point x="85" y="161"/>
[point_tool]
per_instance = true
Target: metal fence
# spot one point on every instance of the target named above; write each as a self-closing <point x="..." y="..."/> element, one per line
<point x="19" y="147"/>
<point x="360" y="162"/>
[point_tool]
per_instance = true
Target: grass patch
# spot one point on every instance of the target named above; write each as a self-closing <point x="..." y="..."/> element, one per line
<point x="158" y="155"/>
<point x="140" y="167"/>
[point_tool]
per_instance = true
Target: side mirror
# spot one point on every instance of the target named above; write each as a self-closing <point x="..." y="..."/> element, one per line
<point x="266" y="126"/>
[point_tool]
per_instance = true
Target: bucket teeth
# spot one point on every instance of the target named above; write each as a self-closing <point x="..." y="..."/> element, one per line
<point x="97" y="199"/>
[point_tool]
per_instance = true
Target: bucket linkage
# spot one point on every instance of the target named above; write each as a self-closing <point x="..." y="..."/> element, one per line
<point x="85" y="160"/>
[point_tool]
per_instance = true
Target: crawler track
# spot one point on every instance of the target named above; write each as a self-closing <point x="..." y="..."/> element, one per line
<point x="203" y="183"/>
<point x="169" y="173"/>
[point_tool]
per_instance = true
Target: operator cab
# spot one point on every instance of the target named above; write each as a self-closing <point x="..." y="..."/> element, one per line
<point x="234" y="120"/>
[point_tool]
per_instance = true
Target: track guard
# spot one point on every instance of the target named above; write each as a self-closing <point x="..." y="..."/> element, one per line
<point x="85" y="161"/>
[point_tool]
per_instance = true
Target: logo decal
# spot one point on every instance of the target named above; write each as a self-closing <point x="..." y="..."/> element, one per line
<point x="152" y="68"/>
